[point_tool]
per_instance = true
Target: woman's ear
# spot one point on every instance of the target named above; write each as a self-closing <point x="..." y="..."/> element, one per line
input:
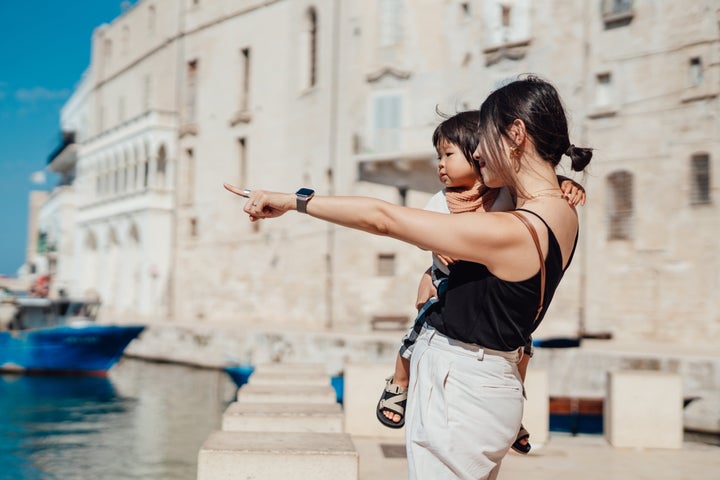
<point x="517" y="132"/>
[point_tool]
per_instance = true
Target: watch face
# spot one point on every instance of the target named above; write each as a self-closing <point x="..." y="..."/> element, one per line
<point x="304" y="192"/>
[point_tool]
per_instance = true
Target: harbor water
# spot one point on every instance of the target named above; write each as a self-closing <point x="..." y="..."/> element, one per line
<point x="143" y="421"/>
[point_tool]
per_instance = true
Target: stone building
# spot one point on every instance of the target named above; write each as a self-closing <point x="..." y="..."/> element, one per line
<point x="343" y="96"/>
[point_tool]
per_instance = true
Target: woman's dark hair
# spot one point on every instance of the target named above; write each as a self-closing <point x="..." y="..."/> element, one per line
<point x="463" y="130"/>
<point x="537" y="103"/>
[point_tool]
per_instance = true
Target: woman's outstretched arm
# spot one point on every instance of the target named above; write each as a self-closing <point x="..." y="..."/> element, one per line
<point x="487" y="238"/>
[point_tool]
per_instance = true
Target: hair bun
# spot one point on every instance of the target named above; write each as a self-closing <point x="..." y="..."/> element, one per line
<point x="579" y="156"/>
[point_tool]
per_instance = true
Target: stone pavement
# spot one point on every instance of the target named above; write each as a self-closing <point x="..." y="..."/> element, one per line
<point x="566" y="457"/>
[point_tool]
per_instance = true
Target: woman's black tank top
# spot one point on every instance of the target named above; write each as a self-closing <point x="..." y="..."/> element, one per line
<point x="482" y="309"/>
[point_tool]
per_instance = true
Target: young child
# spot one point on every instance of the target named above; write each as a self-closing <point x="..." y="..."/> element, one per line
<point x="455" y="140"/>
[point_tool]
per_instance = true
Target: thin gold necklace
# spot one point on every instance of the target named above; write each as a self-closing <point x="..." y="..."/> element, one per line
<point x="548" y="192"/>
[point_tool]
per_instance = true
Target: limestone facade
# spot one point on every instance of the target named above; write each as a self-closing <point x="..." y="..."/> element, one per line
<point x="342" y="96"/>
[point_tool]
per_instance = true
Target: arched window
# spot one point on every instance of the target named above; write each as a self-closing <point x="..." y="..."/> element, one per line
<point x="312" y="46"/>
<point x="308" y="49"/>
<point x="161" y="166"/>
<point x="91" y="241"/>
<point x="700" y="179"/>
<point x="620" y="205"/>
<point x="112" y="239"/>
<point x="134" y="235"/>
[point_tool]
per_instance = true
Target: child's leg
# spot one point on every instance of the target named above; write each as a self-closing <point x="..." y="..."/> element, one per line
<point x="401" y="377"/>
<point x="522" y="442"/>
<point x="402" y="371"/>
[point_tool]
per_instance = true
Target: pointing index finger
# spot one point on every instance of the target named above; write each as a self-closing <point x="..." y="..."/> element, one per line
<point x="245" y="192"/>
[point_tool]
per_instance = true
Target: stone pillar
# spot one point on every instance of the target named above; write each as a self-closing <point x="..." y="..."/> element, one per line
<point x="364" y="383"/>
<point x="643" y="409"/>
<point x="536" y="417"/>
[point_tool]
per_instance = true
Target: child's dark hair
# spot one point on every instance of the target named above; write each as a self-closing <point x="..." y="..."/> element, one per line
<point x="462" y="130"/>
<point x="537" y="103"/>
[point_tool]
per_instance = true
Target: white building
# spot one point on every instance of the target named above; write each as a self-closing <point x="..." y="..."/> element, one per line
<point x="341" y="96"/>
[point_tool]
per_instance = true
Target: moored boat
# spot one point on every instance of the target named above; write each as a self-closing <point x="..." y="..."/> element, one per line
<point x="60" y="336"/>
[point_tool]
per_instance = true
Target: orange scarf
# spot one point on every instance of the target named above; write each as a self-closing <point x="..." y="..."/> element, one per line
<point x="472" y="199"/>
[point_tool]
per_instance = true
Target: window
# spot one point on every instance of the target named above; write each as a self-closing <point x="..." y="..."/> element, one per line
<point x="146" y="173"/>
<point x="193" y="227"/>
<point x="242" y="146"/>
<point x="161" y="166"/>
<point x="696" y="71"/>
<point x="245" y="85"/>
<point x="151" y="19"/>
<point x="603" y="90"/>
<point x="189" y="183"/>
<point x="391" y="27"/>
<point x="505" y="15"/>
<point x="465" y="9"/>
<point x="617" y="13"/>
<point x="620" y="205"/>
<point x="386" y="264"/>
<point x="308" y="54"/>
<point x="125" y="40"/>
<point x="387" y="122"/>
<point x="108" y="48"/>
<point x="312" y="47"/>
<point x="191" y="87"/>
<point x="617" y="7"/>
<point x="700" y="179"/>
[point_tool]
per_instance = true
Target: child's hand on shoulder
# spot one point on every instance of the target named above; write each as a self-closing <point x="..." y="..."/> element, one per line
<point x="573" y="192"/>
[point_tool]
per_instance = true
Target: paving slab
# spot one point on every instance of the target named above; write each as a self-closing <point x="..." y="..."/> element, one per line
<point x="564" y="457"/>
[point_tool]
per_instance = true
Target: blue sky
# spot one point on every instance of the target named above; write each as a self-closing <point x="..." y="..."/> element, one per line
<point x="44" y="49"/>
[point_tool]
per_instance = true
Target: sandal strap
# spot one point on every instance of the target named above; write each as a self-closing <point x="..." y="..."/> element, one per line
<point x="394" y="397"/>
<point x="393" y="405"/>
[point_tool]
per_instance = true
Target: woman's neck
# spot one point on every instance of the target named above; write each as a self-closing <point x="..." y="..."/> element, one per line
<point x="537" y="179"/>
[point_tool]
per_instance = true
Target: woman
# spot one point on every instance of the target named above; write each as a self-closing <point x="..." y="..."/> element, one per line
<point x="465" y="398"/>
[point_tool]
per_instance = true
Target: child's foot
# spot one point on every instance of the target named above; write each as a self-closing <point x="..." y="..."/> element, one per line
<point x="522" y="441"/>
<point x="391" y="407"/>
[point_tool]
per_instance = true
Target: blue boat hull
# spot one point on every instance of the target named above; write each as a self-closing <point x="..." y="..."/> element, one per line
<point x="91" y="349"/>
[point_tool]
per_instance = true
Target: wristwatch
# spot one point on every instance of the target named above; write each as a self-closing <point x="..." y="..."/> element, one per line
<point x="303" y="197"/>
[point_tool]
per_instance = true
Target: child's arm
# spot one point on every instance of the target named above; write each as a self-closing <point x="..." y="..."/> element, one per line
<point x="574" y="192"/>
<point x="426" y="289"/>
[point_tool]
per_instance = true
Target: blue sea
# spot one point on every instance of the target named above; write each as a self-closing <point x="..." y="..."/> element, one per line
<point x="143" y="421"/>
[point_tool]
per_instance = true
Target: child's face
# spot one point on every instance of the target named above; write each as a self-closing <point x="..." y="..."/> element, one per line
<point x="454" y="170"/>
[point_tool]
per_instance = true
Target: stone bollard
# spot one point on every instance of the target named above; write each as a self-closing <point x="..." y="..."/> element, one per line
<point x="536" y="417"/>
<point x="643" y="409"/>
<point x="286" y="394"/>
<point x="283" y="417"/>
<point x="364" y="383"/>
<point x="277" y="456"/>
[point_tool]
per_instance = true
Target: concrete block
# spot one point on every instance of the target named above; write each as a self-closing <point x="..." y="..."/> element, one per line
<point x="644" y="409"/>
<point x="536" y="416"/>
<point x="363" y="384"/>
<point x="286" y="394"/>
<point x="281" y="456"/>
<point x="283" y="417"/>
<point x="288" y="378"/>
